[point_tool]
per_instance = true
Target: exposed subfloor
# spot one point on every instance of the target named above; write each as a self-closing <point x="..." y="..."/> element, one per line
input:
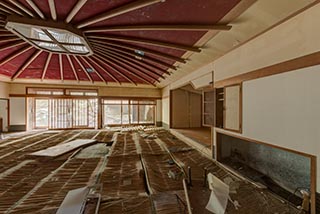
<point x="201" y="135"/>
<point x="141" y="172"/>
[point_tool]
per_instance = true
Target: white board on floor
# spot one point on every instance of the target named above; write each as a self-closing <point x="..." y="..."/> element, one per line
<point x="63" y="148"/>
<point x="74" y="202"/>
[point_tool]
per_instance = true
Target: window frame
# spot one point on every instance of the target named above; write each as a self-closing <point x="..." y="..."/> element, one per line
<point x="130" y="102"/>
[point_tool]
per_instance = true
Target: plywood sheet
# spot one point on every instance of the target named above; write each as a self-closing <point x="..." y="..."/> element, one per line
<point x="74" y="201"/>
<point x="63" y="148"/>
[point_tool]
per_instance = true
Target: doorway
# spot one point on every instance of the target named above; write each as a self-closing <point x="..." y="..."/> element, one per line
<point x="4" y="115"/>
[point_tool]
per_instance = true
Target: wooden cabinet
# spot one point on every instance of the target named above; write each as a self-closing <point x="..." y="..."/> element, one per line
<point x="228" y="108"/>
<point x="208" y="107"/>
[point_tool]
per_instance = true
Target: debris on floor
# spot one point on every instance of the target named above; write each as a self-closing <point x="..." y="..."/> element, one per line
<point x="142" y="171"/>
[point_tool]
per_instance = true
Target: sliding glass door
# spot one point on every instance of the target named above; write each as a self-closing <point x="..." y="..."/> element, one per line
<point x="65" y="113"/>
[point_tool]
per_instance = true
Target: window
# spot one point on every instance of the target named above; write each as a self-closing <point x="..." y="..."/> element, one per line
<point x="57" y="40"/>
<point x="63" y="91"/>
<point x="126" y="112"/>
<point x="82" y="92"/>
<point x="41" y="113"/>
<point x="45" y="91"/>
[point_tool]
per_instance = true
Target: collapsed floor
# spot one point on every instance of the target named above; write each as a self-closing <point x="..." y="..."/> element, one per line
<point x="141" y="172"/>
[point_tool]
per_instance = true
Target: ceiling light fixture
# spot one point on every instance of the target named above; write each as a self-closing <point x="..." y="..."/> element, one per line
<point x="56" y="37"/>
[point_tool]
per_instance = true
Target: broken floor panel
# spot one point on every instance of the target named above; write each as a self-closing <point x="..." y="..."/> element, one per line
<point x="105" y="136"/>
<point x="124" y="145"/>
<point x="47" y="197"/>
<point x="162" y="174"/>
<point x="123" y="177"/>
<point x="136" y="205"/>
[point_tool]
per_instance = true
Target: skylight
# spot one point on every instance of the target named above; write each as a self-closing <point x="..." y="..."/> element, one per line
<point x="51" y="39"/>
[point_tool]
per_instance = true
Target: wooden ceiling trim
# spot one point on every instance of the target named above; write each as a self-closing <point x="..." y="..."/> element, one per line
<point x="36" y="8"/>
<point x="73" y="69"/>
<point x="117" y="11"/>
<point x="53" y="11"/>
<point x="75" y="10"/>
<point x="136" y="63"/>
<point x="15" y="54"/>
<point x="107" y="63"/>
<point x="134" y="48"/>
<point x="46" y="66"/>
<point x="11" y="8"/>
<point x="61" y="67"/>
<point x="84" y="69"/>
<point x="12" y="45"/>
<point x="98" y="74"/>
<point x="26" y="64"/>
<point x="104" y="70"/>
<point x="133" y="70"/>
<point x="147" y="42"/>
<point x="22" y="7"/>
<point x="218" y="27"/>
<point x="144" y="60"/>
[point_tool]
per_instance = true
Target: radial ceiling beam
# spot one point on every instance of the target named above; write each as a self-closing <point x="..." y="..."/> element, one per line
<point x="36" y="8"/>
<point x="137" y="48"/>
<point x="159" y="27"/>
<point x="6" y="34"/>
<point x="99" y="75"/>
<point x="147" y="42"/>
<point x="83" y="68"/>
<point x="133" y="65"/>
<point x="127" y="68"/>
<point x="143" y="60"/>
<point x="26" y="64"/>
<point x="10" y="39"/>
<point x="73" y="69"/>
<point x="22" y="7"/>
<point x="107" y="63"/>
<point x="46" y="66"/>
<point x="137" y="63"/>
<point x="75" y="10"/>
<point x="15" y="54"/>
<point x="104" y="70"/>
<point x="61" y="67"/>
<point x="11" y="8"/>
<point x="53" y="11"/>
<point x="12" y="45"/>
<point x="5" y="11"/>
<point x="117" y="11"/>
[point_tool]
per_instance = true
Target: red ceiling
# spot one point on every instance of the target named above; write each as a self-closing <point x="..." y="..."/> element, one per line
<point x="118" y="66"/>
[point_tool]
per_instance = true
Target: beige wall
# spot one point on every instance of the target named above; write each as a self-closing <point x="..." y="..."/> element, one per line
<point x="17" y="111"/>
<point x="284" y="110"/>
<point x="4" y="90"/>
<point x="294" y="38"/>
